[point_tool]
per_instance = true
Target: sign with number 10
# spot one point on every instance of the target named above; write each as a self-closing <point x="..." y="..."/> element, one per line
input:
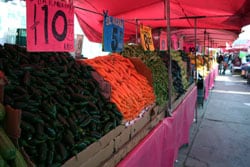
<point x="113" y="32"/>
<point x="50" y="25"/>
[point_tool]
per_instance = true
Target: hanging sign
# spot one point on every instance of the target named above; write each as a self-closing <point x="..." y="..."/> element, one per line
<point x="146" y="38"/>
<point x="78" y="46"/>
<point x="113" y="33"/>
<point x="50" y="25"/>
<point x="163" y="41"/>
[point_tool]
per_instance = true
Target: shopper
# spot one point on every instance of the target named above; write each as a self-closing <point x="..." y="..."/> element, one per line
<point x="225" y="65"/>
<point x="221" y="63"/>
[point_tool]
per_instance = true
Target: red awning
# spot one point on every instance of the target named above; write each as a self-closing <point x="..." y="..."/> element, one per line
<point x="228" y="15"/>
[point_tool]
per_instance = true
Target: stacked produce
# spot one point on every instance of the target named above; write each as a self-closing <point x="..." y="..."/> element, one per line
<point x="9" y="154"/>
<point x="130" y="91"/>
<point x="198" y="57"/>
<point x="202" y="62"/>
<point x="62" y="108"/>
<point x="156" y="65"/>
<point x="179" y="73"/>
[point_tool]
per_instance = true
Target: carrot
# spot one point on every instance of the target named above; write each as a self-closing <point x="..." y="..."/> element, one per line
<point x="130" y="91"/>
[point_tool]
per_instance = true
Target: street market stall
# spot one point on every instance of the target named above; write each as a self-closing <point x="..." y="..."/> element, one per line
<point x="60" y="111"/>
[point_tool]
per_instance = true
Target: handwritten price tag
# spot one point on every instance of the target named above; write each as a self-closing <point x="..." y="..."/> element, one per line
<point x="163" y="41"/>
<point x="146" y="38"/>
<point x="113" y="33"/>
<point x="50" y="26"/>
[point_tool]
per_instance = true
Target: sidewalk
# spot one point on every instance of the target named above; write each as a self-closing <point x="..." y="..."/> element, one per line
<point x="221" y="135"/>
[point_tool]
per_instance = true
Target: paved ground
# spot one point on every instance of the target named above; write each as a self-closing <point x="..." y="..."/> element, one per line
<point x="221" y="136"/>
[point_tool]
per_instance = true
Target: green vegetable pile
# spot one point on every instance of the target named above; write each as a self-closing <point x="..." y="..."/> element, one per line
<point x="63" y="110"/>
<point x="157" y="66"/>
<point x="179" y="74"/>
<point x="9" y="154"/>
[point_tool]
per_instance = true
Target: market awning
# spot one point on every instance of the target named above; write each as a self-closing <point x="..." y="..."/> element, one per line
<point x="228" y="15"/>
<point x="241" y="44"/>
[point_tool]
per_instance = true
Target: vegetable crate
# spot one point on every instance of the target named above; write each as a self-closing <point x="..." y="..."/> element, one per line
<point x="114" y="146"/>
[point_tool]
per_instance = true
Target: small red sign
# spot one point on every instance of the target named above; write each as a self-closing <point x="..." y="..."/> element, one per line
<point x="50" y="26"/>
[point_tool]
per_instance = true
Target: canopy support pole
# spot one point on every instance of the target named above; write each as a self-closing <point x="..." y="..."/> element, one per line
<point x="208" y="55"/>
<point x="196" y="74"/>
<point x="195" y="43"/>
<point x="167" y="7"/>
<point x="204" y="51"/>
<point x="136" y="31"/>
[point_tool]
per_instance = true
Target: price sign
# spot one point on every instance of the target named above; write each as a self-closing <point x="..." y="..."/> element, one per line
<point x="78" y="46"/>
<point x="113" y="33"/>
<point x="163" y="41"/>
<point x="50" y="25"/>
<point x="146" y="38"/>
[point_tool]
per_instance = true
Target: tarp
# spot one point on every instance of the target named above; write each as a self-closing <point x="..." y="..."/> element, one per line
<point x="213" y="14"/>
<point x="241" y="43"/>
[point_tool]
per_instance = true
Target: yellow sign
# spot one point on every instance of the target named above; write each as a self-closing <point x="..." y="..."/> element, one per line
<point x="146" y="38"/>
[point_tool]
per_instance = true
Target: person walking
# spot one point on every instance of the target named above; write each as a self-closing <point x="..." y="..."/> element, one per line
<point x="221" y="63"/>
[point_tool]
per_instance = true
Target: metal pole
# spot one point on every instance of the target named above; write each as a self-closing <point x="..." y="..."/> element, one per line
<point x="167" y="6"/>
<point x="204" y="51"/>
<point x="208" y="54"/>
<point x="195" y="42"/>
<point x="195" y="33"/>
<point x="136" y="31"/>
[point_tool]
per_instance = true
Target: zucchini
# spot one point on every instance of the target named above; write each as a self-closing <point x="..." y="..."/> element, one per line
<point x="7" y="148"/>
<point x="19" y="160"/>
<point x="51" y="110"/>
<point x="27" y="127"/>
<point x="31" y="118"/>
<point x="50" y="153"/>
<point x="2" y="162"/>
<point x="68" y="138"/>
<point x="2" y="112"/>
<point x="42" y="152"/>
<point x="61" y="150"/>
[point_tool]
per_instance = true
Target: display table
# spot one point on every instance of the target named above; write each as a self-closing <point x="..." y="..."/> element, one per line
<point x="209" y="81"/>
<point x="160" y="147"/>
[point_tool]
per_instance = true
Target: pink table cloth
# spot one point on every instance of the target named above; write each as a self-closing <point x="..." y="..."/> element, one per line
<point x="160" y="147"/>
<point x="209" y="81"/>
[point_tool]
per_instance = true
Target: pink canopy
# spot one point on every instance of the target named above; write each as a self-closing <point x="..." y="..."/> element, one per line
<point x="228" y="15"/>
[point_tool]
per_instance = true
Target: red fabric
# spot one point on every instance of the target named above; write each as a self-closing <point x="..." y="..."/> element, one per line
<point x="209" y="81"/>
<point x="220" y="14"/>
<point x="214" y="73"/>
<point x="160" y="147"/>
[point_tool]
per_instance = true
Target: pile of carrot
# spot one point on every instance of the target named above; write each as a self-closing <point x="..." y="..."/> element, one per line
<point x="130" y="91"/>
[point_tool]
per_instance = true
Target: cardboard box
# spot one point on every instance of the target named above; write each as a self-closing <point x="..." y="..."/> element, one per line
<point x="106" y="142"/>
<point x="123" y="138"/>
<point x="140" y="123"/>
<point x="139" y="136"/>
<point x="128" y="147"/>
<point x="101" y="156"/>
<point x="154" y="122"/>
<point x="156" y="110"/>
<point x="110" y="162"/>
<point x="106" y="139"/>
<point x="83" y="156"/>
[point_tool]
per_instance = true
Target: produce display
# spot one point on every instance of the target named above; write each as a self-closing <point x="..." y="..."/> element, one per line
<point x="179" y="73"/>
<point x="9" y="154"/>
<point x="130" y="91"/>
<point x="203" y="63"/>
<point x="157" y="67"/>
<point x="62" y="108"/>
